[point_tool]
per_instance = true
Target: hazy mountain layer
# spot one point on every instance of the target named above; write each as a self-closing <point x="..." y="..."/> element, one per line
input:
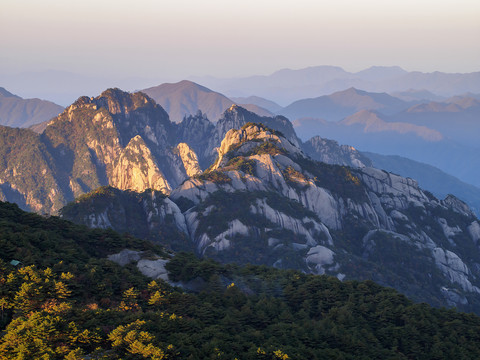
<point x="285" y="86"/>
<point x="439" y="143"/>
<point x="341" y="104"/>
<point x="18" y="112"/>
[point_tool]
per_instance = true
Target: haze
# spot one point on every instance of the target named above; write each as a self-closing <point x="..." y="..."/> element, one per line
<point x="171" y="40"/>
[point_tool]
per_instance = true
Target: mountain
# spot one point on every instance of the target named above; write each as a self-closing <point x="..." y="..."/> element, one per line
<point x="236" y="117"/>
<point x="71" y="292"/>
<point x="337" y="106"/>
<point x="429" y="177"/>
<point x="456" y="118"/>
<point x="18" y="112"/>
<point x="119" y="139"/>
<point x="287" y="85"/>
<point x="187" y="98"/>
<point x="264" y="201"/>
<point x="149" y="215"/>
<point x="370" y="122"/>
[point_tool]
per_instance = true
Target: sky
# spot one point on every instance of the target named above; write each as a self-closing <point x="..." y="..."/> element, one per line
<point x="175" y="39"/>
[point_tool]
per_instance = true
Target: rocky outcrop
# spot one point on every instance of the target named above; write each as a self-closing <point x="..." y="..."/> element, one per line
<point x="236" y="117"/>
<point x="152" y="268"/>
<point x="135" y="169"/>
<point x="189" y="159"/>
<point x="330" y="152"/>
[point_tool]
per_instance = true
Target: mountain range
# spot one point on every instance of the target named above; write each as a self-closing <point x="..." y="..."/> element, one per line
<point x="262" y="200"/>
<point x="336" y="106"/>
<point x="287" y="85"/>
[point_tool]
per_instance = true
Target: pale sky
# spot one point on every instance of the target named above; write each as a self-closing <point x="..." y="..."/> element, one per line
<point x="179" y="38"/>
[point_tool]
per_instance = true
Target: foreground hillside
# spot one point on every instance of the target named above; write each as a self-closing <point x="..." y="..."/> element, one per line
<point x="66" y="300"/>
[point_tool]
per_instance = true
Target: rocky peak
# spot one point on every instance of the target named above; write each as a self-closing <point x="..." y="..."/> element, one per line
<point x="457" y="205"/>
<point x="117" y="101"/>
<point x="196" y="130"/>
<point x="136" y="169"/>
<point x="248" y="138"/>
<point x="189" y="159"/>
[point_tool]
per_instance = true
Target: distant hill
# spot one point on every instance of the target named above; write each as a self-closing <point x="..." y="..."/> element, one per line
<point x="371" y="122"/>
<point x="187" y="98"/>
<point x="457" y="118"/>
<point x="336" y="106"/>
<point x="417" y="95"/>
<point x="375" y="73"/>
<point x="18" y="112"/>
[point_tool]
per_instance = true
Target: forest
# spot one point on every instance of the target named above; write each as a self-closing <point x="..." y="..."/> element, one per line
<point x="60" y="298"/>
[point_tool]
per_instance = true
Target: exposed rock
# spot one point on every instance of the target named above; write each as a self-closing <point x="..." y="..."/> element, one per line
<point x="328" y="151"/>
<point x="447" y="230"/>
<point x="457" y="205"/>
<point x="154" y="269"/>
<point x="452" y="266"/>
<point x="125" y="257"/>
<point x="319" y="256"/>
<point x="135" y="169"/>
<point x="474" y="231"/>
<point x="189" y="159"/>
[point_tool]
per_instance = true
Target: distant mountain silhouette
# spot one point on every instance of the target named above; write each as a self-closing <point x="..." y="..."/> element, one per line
<point x="338" y="105"/>
<point x="186" y="98"/>
<point x="376" y="73"/>
<point x="417" y="95"/>
<point x="287" y="85"/>
<point x="18" y="112"/>
<point x="456" y="118"/>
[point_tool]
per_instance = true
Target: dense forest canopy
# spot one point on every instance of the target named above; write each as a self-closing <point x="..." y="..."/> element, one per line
<point x="65" y="300"/>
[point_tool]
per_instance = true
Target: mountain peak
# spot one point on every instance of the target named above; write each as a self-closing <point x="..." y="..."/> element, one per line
<point x="251" y="139"/>
<point x="185" y="98"/>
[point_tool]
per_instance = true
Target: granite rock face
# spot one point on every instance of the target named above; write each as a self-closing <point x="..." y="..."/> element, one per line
<point x="263" y="192"/>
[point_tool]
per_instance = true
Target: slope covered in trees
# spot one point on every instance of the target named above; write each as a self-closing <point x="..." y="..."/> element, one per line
<point x="65" y="300"/>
